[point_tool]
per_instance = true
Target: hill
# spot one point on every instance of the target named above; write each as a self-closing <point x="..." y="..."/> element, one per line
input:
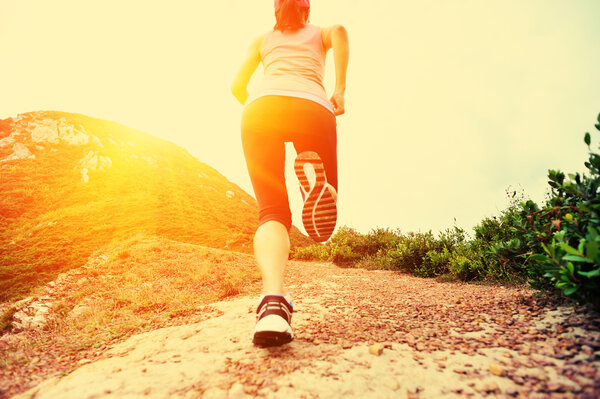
<point x="72" y="184"/>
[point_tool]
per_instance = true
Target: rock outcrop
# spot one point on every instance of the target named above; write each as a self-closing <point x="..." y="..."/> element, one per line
<point x="92" y="161"/>
<point x="20" y="151"/>
<point x="59" y="131"/>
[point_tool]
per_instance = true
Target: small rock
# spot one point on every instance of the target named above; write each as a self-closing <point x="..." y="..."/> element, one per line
<point x="392" y="384"/>
<point x="554" y="386"/>
<point x="491" y="387"/>
<point x="79" y="311"/>
<point x="346" y="345"/>
<point x="496" y="369"/>
<point x="376" y="349"/>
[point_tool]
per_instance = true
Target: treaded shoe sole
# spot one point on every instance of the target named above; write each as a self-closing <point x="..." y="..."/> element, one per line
<point x="319" y="213"/>
<point x="271" y="338"/>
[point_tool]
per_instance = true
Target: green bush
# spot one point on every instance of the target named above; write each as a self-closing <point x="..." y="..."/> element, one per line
<point x="410" y="250"/>
<point x="435" y="263"/>
<point x="315" y="252"/>
<point x="568" y="231"/>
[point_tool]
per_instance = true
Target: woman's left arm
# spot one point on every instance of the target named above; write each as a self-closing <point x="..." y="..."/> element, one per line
<point x="239" y="87"/>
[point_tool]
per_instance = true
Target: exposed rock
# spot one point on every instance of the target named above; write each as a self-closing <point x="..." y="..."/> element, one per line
<point x="70" y="135"/>
<point x="79" y="311"/>
<point x="33" y="316"/>
<point x="92" y="161"/>
<point x="45" y="131"/>
<point x="5" y="142"/>
<point x="84" y="175"/>
<point x="20" y="151"/>
<point x="53" y="131"/>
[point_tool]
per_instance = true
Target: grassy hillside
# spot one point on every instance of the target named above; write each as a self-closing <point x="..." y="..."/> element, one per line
<point x="89" y="182"/>
<point x="140" y="284"/>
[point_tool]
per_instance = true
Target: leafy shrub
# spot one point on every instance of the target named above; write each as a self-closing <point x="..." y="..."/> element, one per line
<point x="435" y="263"/>
<point x="568" y="231"/>
<point x="410" y="250"/>
<point x="315" y="252"/>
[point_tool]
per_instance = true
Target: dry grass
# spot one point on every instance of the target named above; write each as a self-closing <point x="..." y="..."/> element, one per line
<point x="140" y="284"/>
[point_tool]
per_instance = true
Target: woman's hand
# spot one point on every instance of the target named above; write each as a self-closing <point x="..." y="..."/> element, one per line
<point x="337" y="100"/>
<point x="335" y="37"/>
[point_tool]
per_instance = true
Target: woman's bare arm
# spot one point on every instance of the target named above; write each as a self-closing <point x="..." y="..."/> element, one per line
<point x="239" y="87"/>
<point x="336" y="38"/>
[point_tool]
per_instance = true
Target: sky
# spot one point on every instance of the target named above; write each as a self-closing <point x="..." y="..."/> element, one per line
<point x="449" y="103"/>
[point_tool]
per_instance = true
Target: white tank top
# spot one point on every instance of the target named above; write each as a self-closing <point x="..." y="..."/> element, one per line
<point x="294" y="65"/>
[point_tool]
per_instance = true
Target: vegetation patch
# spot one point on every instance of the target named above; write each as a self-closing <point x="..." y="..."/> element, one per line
<point x="161" y="283"/>
<point x="555" y="247"/>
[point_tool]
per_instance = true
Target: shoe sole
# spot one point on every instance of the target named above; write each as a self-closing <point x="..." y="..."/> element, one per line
<point x="319" y="213"/>
<point x="271" y="338"/>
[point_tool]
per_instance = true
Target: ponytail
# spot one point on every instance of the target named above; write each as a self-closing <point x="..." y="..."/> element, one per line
<point x="290" y="16"/>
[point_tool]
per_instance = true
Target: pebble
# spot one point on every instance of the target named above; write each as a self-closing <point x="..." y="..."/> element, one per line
<point x="392" y="384"/>
<point x="376" y="349"/>
<point x="496" y="369"/>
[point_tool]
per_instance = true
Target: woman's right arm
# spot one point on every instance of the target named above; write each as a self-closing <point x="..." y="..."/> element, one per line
<point x="336" y="37"/>
<point x="239" y="87"/>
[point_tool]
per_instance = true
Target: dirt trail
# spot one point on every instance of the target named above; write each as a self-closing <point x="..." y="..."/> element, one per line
<point x="360" y="333"/>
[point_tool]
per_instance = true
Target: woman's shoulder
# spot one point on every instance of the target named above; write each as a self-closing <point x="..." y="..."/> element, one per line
<point x="327" y="32"/>
<point x="258" y="41"/>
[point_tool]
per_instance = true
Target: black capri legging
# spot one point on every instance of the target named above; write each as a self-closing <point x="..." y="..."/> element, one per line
<point x="267" y="123"/>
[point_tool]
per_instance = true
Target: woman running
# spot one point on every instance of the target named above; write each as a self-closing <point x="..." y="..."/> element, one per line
<point x="290" y="106"/>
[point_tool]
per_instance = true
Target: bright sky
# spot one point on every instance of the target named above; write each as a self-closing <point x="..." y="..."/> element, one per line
<point x="449" y="102"/>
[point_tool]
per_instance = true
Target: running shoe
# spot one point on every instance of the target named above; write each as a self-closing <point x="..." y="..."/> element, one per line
<point x="319" y="213"/>
<point x="273" y="321"/>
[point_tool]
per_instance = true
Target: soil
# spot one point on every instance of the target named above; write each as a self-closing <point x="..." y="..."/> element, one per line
<point x="358" y="333"/>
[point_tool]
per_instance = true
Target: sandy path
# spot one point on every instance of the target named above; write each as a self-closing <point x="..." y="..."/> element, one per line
<point x="438" y="340"/>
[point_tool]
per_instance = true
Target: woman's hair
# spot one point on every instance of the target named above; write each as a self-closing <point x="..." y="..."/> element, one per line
<point x="290" y="16"/>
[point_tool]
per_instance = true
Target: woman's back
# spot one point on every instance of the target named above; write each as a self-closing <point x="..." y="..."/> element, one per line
<point x="294" y="61"/>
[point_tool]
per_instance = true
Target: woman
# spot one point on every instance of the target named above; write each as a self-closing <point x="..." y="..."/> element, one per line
<point x="290" y="106"/>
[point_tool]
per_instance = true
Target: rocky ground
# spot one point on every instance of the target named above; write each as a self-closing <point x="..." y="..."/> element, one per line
<point x="361" y="334"/>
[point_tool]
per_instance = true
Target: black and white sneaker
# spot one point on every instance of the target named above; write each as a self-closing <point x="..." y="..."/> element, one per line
<point x="273" y="321"/>
<point x="319" y="213"/>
